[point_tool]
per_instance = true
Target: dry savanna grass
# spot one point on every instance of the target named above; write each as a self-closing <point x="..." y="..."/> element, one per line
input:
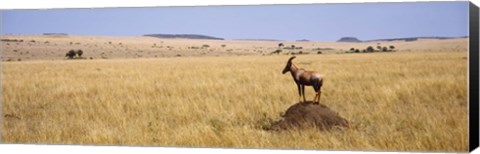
<point x="415" y="101"/>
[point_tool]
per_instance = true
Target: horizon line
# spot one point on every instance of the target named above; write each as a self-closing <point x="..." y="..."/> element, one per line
<point x="246" y="39"/>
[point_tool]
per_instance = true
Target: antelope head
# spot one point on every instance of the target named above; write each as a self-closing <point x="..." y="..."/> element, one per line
<point x="289" y="64"/>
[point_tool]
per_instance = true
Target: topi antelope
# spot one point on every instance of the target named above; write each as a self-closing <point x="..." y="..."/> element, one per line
<point x="304" y="78"/>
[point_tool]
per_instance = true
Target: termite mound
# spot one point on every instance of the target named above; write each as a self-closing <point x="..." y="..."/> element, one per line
<point x="307" y="115"/>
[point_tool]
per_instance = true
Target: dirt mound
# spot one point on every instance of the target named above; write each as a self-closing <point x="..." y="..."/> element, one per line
<point x="308" y="114"/>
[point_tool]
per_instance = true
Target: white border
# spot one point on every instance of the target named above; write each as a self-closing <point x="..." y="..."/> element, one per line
<point x="49" y="4"/>
<point x="55" y="4"/>
<point x="79" y="149"/>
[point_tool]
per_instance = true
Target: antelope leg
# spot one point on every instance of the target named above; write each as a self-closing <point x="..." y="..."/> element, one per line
<point x="315" y="99"/>
<point x="299" y="90"/>
<point x="319" y="94"/>
<point x="303" y="93"/>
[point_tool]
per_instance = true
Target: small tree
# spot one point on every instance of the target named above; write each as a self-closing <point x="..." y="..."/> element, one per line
<point x="277" y="51"/>
<point x="357" y="51"/>
<point x="352" y="49"/>
<point x="392" y="47"/>
<point x="370" y="49"/>
<point x="79" y="53"/>
<point x="223" y="45"/>
<point x="293" y="46"/>
<point x="384" y="49"/>
<point x="70" y="54"/>
<point x="280" y="45"/>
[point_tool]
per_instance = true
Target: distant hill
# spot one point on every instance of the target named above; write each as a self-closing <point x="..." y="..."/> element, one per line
<point x="184" y="36"/>
<point x="407" y="39"/>
<point x="257" y="40"/>
<point x="416" y="38"/>
<point x="303" y="40"/>
<point x="55" y="34"/>
<point x="349" y="39"/>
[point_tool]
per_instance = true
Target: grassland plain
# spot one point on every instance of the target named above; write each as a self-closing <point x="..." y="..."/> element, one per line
<point x="413" y="101"/>
<point x="42" y="47"/>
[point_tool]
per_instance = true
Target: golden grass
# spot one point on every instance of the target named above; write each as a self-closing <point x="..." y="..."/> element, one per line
<point x="415" y="101"/>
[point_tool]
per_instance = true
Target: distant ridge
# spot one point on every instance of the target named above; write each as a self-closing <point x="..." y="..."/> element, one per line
<point x="303" y="40"/>
<point x="56" y="34"/>
<point x="349" y="39"/>
<point x="184" y="36"/>
<point x="257" y="40"/>
<point x="64" y="34"/>
<point x="415" y="38"/>
<point x="407" y="39"/>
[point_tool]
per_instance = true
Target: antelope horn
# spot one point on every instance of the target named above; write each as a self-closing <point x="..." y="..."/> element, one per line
<point x="291" y="58"/>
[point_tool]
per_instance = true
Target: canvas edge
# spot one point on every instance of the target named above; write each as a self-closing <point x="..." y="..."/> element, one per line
<point x="473" y="77"/>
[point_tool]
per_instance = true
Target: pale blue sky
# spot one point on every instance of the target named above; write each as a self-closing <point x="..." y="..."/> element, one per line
<point x="320" y="22"/>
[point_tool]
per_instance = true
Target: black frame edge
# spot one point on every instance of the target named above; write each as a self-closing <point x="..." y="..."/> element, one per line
<point x="473" y="78"/>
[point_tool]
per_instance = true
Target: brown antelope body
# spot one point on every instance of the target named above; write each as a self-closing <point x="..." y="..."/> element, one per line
<point x="304" y="78"/>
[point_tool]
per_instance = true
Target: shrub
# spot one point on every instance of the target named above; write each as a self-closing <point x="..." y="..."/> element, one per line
<point x="370" y="49"/>
<point x="79" y="53"/>
<point x="277" y="51"/>
<point x="384" y="49"/>
<point x="205" y="46"/>
<point x="70" y="54"/>
<point x="319" y="52"/>
<point x="392" y="47"/>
